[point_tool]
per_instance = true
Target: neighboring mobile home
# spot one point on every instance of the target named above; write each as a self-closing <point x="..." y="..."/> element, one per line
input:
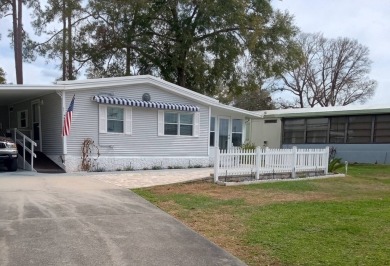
<point x="358" y="133"/>
<point x="135" y="122"/>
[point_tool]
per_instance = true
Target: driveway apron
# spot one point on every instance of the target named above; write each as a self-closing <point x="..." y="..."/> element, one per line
<point x="78" y="220"/>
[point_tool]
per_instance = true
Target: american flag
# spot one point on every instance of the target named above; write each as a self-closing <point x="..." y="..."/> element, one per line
<point x="68" y="119"/>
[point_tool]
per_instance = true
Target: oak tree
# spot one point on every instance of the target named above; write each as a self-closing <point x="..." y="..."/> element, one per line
<point x="196" y="44"/>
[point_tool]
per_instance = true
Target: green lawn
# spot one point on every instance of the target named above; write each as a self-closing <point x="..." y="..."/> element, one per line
<point x="335" y="221"/>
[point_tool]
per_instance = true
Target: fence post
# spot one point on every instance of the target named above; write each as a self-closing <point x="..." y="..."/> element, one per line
<point x="216" y="164"/>
<point x="267" y="157"/>
<point x="326" y="160"/>
<point x="258" y="158"/>
<point x="294" y="161"/>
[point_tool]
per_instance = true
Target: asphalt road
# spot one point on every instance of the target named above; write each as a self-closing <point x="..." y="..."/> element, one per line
<point x="77" y="220"/>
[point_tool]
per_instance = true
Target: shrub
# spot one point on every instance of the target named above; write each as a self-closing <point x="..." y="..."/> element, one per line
<point x="99" y="169"/>
<point x="335" y="164"/>
<point x="128" y="168"/>
<point x="248" y="146"/>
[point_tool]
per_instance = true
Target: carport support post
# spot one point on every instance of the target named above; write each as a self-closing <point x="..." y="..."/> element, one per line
<point x="216" y="163"/>
<point x="257" y="158"/>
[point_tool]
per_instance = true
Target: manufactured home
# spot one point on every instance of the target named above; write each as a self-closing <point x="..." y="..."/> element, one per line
<point x="132" y="122"/>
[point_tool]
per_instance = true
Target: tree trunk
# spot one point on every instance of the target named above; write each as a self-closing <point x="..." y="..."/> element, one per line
<point x="128" y="61"/>
<point x="301" y="103"/>
<point x="70" y="48"/>
<point x="63" y="41"/>
<point x="181" y="70"/>
<point x="181" y="78"/>
<point x="17" y="32"/>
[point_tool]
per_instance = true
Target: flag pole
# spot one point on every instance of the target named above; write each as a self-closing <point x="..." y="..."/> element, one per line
<point x="64" y="110"/>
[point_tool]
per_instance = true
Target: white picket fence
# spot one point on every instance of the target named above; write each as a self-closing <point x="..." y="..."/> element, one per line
<point x="259" y="161"/>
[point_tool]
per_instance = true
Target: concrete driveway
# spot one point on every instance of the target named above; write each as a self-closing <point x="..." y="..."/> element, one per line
<point x="78" y="220"/>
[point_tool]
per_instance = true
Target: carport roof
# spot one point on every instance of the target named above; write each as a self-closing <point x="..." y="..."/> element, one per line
<point x="10" y="94"/>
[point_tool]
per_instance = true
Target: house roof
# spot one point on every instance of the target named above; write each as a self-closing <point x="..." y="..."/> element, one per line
<point x="165" y="85"/>
<point x="17" y="93"/>
<point x="325" y="111"/>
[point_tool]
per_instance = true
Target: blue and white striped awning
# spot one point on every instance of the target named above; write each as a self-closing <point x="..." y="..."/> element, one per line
<point x="137" y="103"/>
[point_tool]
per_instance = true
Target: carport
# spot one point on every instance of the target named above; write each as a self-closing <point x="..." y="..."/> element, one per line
<point x="24" y="123"/>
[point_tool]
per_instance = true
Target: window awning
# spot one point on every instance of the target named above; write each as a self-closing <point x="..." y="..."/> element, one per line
<point x="137" y="103"/>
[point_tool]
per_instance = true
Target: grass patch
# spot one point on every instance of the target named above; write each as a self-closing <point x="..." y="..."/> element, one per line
<point x="326" y="233"/>
<point x="336" y="221"/>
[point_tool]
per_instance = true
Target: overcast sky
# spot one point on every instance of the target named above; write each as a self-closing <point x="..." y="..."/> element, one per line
<point x="367" y="21"/>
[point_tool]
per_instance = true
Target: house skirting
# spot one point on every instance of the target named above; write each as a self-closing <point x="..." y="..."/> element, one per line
<point x="354" y="153"/>
<point x="108" y="163"/>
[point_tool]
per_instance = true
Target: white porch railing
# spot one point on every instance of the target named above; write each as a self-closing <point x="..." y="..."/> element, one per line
<point x="237" y="161"/>
<point x="23" y="141"/>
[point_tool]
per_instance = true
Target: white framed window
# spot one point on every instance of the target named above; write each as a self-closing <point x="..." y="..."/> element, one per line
<point x="115" y="119"/>
<point x="171" y="124"/>
<point x="237" y="132"/>
<point x="178" y="123"/>
<point x="22" y="119"/>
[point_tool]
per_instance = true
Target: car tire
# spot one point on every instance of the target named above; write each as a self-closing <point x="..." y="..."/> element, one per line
<point x="12" y="165"/>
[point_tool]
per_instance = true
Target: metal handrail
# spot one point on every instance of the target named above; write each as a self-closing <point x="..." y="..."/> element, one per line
<point x="23" y="144"/>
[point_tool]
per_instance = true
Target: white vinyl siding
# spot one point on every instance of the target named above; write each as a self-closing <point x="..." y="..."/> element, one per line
<point x="146" y="127"/>
<point x="102" y="118"/>
<point x="160" y="125"/>
<point x="51" y="121"/>
<point x="196" y="129"/>
<point x="51" y="124"/>
<point x="128" y="121"/>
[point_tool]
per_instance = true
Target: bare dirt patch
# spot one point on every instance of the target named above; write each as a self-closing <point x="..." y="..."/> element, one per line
<point x="256" y="197"/>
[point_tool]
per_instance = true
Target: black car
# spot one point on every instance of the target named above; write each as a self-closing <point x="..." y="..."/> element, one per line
<point x="8" y="152"/>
